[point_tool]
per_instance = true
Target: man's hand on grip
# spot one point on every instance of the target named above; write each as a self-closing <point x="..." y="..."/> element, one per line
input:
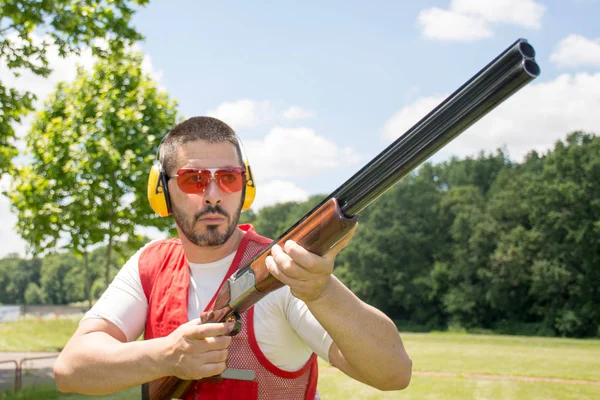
<point x="197" y="351"/>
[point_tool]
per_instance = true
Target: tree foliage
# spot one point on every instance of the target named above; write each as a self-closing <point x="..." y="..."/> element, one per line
<point x="15" y="275"/>
<point x="69" y="25"/>
<point x="91" y="148"/>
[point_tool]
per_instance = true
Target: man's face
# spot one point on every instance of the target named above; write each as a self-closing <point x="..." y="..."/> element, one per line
<point x="209" y="218"/>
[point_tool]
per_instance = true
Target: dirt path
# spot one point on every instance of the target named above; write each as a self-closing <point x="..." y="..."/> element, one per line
<point x="34" y="371"/>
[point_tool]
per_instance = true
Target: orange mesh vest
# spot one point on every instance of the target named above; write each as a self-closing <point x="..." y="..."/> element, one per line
<point x="165" y="278"/>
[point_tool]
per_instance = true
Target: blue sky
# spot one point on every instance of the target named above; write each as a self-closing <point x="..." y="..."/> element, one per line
<point x="316" y="89"/>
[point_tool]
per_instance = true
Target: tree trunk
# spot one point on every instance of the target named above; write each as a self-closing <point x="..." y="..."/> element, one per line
<point x="88" y="278"/>
<point x="108" y="259"/>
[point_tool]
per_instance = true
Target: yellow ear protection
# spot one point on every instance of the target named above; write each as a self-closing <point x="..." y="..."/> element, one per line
<point x="158" y="190"/>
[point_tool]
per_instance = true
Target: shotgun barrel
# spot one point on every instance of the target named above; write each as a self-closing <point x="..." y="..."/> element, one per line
<point x="502" y="77"/>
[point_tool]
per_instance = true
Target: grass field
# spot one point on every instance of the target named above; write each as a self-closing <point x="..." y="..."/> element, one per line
<point x="36" y="334"/>
<point x="437" y="352"/>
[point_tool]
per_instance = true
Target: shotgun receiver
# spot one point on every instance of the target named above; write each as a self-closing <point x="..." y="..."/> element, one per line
<point x="337" y="214"/>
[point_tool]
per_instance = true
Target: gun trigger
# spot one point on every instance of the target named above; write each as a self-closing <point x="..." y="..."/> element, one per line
<point x="237" y="327"/>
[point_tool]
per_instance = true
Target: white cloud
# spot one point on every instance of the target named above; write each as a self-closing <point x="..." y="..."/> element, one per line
<point x="533" y="119"/>
<point x="525" y="13"/>
<point x="468" y="20"/>
<point x="244" y="113"/>
<point x="448" y="25"/>
<point x="278" y="191"/>
<point x="576" y="51"/>
<point x="296" y="113"/>
<point x="295" y="152"/>
<point x="150" y="69"/>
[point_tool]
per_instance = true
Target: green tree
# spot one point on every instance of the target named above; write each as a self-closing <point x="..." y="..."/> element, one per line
<point x="389" y="260"/>
<point x="68" y="25"/>
<point x="92" y="146"/>
<point x="248" y="217"/>
<point x="565" y="211"/>
<point x="456" y="273"/>
<point x="480" y="171"/>
<point x="34" y="294"/>
<point x="15" y="274"/>
<point x="544" y="269"/>
<point x="61" y="278"/>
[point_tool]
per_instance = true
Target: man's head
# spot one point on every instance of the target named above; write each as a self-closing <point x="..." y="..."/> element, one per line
<point x="209" y="217"/>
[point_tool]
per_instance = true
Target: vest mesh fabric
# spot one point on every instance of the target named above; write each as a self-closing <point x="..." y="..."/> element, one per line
<point x="273" y="383"/>
<point x="244" y="353"/>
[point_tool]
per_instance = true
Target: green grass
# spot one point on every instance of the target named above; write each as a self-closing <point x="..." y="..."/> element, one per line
<point x="36" y="335"/>
<point x="334" y="385"/>
<point x="49" y="392"/>
<point x="505" y="355"/>
<point x="443" y="352"/>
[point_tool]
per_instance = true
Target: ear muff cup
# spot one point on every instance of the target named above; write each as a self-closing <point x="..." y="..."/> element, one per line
<point x="158" y="191"/>
<point x="250" y="193"/>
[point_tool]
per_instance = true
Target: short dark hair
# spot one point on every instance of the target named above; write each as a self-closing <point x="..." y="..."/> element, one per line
<point x="208" y="129"/>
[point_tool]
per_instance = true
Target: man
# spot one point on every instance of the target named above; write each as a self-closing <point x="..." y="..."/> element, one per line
<point x="157" y="294"/>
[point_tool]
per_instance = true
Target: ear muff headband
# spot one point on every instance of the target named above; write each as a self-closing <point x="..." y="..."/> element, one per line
<point x="158" y="189"/>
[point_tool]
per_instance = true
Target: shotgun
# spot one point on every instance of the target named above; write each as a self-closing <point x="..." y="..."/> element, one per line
<point x="332" y="219"/>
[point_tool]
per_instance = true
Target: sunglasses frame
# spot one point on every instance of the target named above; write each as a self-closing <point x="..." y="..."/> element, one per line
<point x="213" y="171"/>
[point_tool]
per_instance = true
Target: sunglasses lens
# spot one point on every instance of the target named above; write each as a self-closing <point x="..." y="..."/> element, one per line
<point x="230" y="180"/>
<point x="193" y="181"/>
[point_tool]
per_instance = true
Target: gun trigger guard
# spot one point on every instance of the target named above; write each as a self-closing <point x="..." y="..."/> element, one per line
<point x="237" y="327"/>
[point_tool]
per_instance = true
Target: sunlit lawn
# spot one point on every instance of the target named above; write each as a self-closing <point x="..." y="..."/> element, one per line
<point x="442" y="352"/>
<point x="505" y="355"/>
<point x="333" y="385"/>
<point x="36" y="334"/>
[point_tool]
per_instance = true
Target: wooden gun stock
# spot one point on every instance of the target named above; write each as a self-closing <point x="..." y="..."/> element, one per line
<point x="317" y="233"/>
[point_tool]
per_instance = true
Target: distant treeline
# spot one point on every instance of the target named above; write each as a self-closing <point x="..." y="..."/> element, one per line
<point x="475" y="243"/>
<point x="60" y="278"/>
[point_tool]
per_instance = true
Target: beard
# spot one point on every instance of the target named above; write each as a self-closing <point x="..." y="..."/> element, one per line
<point x="212" y="236"/>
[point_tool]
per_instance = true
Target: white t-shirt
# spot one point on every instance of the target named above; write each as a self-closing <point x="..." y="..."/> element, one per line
<point x="286" y="331"/>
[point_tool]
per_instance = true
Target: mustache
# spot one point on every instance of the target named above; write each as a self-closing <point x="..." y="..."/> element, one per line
<point x="211" y="210"/>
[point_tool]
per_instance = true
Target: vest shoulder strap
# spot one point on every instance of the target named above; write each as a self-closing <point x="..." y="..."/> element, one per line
<point x="154" y="258"/>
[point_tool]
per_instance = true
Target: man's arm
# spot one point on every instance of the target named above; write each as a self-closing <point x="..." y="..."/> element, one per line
<point x="367" y="345"/>
<point x="98" y="360"/>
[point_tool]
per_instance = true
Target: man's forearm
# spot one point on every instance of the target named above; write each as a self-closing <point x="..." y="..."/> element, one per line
<point x="367" y="338"/>
<point x="96" y="363"/>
